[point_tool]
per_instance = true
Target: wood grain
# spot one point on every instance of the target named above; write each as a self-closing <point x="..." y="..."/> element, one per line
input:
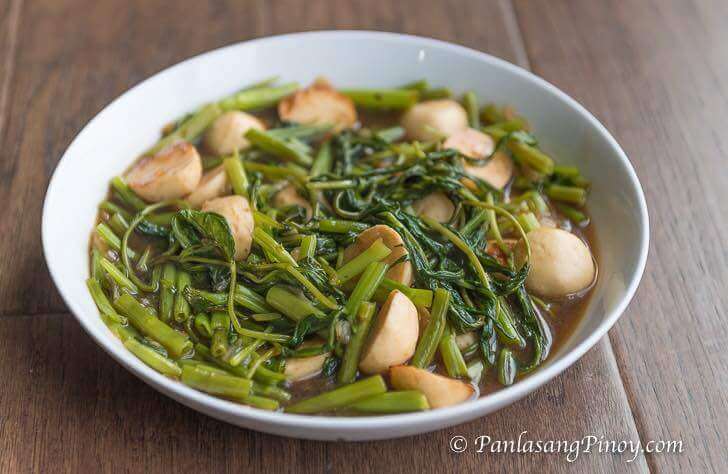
<point x="68" y="407"/>
<point x="9" y="21"/>
<point x="655" y="73"/>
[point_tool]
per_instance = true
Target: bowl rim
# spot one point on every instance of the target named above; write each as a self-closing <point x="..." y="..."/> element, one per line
<point x="433" y="418"/>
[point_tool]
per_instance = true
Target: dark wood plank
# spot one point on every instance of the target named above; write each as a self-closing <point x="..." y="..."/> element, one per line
<point x="67" y="406"/>
<point x="9" y="21"/>
<point x="451" y="20"/>
<point x="655" y="73"/>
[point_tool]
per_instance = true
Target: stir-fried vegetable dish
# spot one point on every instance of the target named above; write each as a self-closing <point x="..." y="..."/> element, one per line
<point x="324" y="251"/>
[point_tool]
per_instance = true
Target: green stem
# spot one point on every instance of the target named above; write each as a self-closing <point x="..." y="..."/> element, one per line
<point x="341" y="227"/>
<point x="436" y="93"/>
<point x="167" y="290"/>
<point x="215" y="383"/>
<point x="202" y="325"/>
<point x="97" y="270"/>
<point x="273" y="248"/>
<point x="430" y="339"/>
<point x="126" y="194"/>
<point x="308" y="246"/>
<point x="365" y="287"/>
<point x="220" y="325"/>
<point x="470" y="102"/>
<point x="532" y="157"/>
<point x="299" y="131"/>
<point x="102" y="302"/>
<point x="258" y="98"/>
<point x="507" y="367"/>
<point x="528" y="221"/>
<point x="145" y="320"/>
<point x="262" y="375"/>
<point x="271" y="391"/>
<point x="118" y="276"/>
<point x="112" y="208"/>
<point x="277" y="147"/>
<point x="153" y="358"/>
<point x="289" y="304"/>
<point x="569" y="194"/>
<point x="574" y="215"/>
<point x="111" y="239"/>
<point x="392" y="402"/>
<point x="340" y="397"/>
<point x="382" y="99"/>
<point x="181" y="310"/>
<point x="261" y="402"/>
<point x="236" y="175"/>
<point x="451" y="355"/>
<point x="376" y="252"/>
<point x="419" y="296"/>
<point x="118" y="224"/>
<point x="276" y="172"/>
<point x="360" y="330"/>
<point x="326" y="301"/>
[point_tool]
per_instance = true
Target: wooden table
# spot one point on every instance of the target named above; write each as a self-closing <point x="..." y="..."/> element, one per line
<point x="655" y="72"/>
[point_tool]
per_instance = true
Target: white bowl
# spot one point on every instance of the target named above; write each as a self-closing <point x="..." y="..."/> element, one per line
<point x="131" y="123"/>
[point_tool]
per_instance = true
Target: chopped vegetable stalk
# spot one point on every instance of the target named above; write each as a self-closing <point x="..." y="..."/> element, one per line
<point x="118" y="276"/>
<point x="203" y="326"/>
<point x="340" y="397"/>
<point x="258" y="98"/>
<point x="126" y="194"/>
<point x="532" y="157"/>
<point x="569" y="194"/>
<point x="272" y="247"/>
<point x="382" y="99"/>
<point x="470" y="101"/>
<point x="392" y="402"/>
<point x="360" y="330"/>
<point x="147" y="322"/>
<point x="111" y="239"/>
<point x="102" y="302"/>
<point x="290" y="304"/>
<point x="430" y="338"/>
<point x="236" y="175"/>
<point x="220" y="325"/>
<point x="277" y="147"/>
<point x="216" y="383"/>
<point x="365" y="287"/>
<point x="167" y="284"/>
<point x="181" y="306"/>
<point x="153" y="358"/>
<point x="375" y="253"/>
<point x="507" y="367"/>
<point x="451" y="355"/>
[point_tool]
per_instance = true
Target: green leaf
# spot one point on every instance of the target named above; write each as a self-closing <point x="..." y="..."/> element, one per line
<point x="192" y="227"/>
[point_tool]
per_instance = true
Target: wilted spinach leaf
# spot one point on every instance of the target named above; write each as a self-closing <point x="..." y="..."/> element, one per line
<point x="192" y="227"/>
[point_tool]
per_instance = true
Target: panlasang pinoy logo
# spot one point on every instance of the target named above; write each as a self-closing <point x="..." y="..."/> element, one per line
<point x="571" y="448"/>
